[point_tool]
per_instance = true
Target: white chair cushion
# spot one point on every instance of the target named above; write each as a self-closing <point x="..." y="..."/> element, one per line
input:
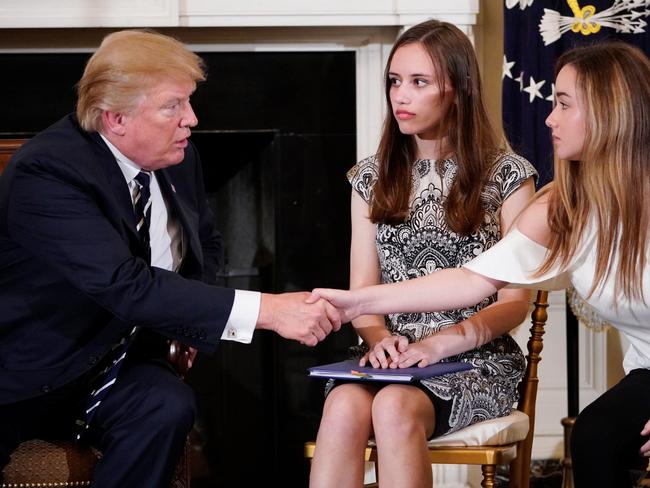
<point x="494" y="432"/>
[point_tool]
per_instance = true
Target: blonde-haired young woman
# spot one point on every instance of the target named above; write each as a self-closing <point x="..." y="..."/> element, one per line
<point x="588" y="228"/>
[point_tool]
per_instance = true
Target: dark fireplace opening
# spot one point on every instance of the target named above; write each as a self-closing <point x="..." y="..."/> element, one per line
<point x="276" y="135"/>
<point x="241" y="188"/>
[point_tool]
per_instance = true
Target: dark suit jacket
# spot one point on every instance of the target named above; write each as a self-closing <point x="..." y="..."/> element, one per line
<point x="71" y="279"/>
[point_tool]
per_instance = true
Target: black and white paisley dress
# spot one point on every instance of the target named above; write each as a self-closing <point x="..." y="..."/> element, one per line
<point x="423" y="244"/>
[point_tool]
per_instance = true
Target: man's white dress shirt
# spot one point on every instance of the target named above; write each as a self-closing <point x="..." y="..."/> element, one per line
<point x="167" y="250"/>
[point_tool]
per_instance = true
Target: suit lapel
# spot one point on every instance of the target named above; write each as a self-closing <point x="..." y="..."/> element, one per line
<point x="118" y="189"/>
<point x="186" y="216"/>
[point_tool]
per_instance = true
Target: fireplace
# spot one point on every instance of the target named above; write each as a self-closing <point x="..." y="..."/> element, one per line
<point x="276" y="136"/>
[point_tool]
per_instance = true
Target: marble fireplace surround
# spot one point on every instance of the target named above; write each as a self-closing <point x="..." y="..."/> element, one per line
<point x="368" y="27"/>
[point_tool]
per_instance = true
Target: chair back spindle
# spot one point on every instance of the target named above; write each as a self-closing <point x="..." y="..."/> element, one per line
<point x="520" y="466"/>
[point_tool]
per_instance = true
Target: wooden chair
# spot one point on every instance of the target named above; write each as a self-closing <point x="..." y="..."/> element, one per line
<point x="499" y="441"/>
<point x="7" y="148"/>
<point x="38" y="463"/>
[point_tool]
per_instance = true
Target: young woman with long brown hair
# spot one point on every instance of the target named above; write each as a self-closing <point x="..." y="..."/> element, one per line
<point x="440" y="190"/>
<point x="589" y="228"/>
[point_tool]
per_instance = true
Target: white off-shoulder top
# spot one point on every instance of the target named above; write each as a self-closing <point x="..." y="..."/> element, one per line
<point x="515" y="258"/>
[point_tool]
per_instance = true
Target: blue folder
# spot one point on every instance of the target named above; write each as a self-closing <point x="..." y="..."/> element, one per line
<point x="350" y="370"/>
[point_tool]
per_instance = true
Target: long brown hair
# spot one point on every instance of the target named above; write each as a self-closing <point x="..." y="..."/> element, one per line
<point x="472" y="139"/>
<point x="609" y="184"/>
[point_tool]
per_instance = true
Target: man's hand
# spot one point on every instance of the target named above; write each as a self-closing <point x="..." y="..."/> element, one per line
<point x="292" y="317"/>
<point x="344" y="300"/>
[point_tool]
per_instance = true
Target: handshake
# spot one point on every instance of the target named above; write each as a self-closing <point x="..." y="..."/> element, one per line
<point x="303" y="316"/>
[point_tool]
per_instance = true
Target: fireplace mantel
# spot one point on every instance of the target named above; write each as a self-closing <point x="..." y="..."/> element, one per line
<point x="325" y="13"/>
<point x="225" y="13"/>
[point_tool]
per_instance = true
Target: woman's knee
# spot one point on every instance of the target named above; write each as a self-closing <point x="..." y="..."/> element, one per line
<point x="402" y="411"/>
<point x="347" y="408"/>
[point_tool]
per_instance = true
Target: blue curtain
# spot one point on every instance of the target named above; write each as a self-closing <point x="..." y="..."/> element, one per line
<point x="536" y="32"/>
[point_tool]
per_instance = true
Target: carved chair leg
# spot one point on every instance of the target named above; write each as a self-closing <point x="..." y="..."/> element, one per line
<point x="489" y="472"/>
<point x="567" y="466"/>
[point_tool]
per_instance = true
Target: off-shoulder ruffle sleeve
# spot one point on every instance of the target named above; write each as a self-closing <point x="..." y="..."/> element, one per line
<point x="514" y="259"/>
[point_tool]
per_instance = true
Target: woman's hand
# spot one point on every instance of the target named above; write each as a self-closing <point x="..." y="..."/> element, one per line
<point x="645" y="448"/>
<point x="385" y="352"/>
<point x="344" y="300"/>
<point x="420" y="353"/>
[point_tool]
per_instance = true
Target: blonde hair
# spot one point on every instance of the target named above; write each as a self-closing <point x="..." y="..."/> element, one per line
<point x="125" y="66"/>
<point x="609" y="183"/>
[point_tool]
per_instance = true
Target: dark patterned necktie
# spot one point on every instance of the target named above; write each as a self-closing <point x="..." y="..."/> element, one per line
<point x="142" y="207"/>
<point x="114" y="359"/>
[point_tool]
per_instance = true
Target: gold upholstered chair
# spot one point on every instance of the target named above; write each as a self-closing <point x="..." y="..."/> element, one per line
<point x="39" y="464"/>
<point x="507" y="440"/>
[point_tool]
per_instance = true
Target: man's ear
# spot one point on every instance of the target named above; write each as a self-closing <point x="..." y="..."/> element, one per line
<point x="114" y="122"/>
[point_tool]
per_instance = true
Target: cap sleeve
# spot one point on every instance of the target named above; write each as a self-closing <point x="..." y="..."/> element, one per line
<point x="510" y="171"/>
<point x="514" y="259"/>
<point x="363" y="176"/>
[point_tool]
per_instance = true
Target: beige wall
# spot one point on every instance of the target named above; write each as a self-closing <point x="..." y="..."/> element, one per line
<point x="489" y="43"/>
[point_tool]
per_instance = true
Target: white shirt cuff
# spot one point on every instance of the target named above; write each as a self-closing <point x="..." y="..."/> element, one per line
<point x="243" y="317"/>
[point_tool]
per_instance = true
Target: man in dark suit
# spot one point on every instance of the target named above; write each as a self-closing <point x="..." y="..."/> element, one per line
<point x="77" y="274"/>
